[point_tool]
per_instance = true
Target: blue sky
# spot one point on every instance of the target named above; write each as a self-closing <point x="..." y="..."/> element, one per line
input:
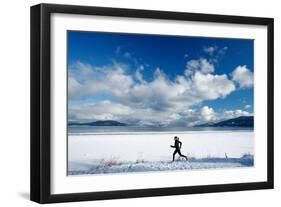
<point x="157" y="79"/>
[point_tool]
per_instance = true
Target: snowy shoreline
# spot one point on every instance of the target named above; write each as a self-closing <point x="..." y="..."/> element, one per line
<point x="103" y="167"/>
<point x="152" y="152"/>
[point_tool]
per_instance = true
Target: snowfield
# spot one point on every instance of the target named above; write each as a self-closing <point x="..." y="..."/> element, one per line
<point x="142" y="152"/>
<point x="119" y="167"/>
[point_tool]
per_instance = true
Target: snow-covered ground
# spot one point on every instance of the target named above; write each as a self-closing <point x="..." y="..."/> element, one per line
<point x="140" y="152"/>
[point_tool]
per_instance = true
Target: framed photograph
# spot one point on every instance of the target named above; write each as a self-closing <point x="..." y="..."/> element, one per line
<point x="133" y="103"/>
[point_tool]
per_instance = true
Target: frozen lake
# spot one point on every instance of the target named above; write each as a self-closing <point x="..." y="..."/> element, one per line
<point x="86" y="150"/>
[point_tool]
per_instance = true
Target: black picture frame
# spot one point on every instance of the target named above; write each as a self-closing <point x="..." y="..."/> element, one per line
<point x="41" y="98"/>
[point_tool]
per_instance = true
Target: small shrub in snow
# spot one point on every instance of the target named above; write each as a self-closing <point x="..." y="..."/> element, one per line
<point x="139" y="161"/>
<point x="111" y="162"/>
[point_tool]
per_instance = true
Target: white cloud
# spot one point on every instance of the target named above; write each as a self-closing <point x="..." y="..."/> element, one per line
<point x="85" y="80"/>
<point x="243" y="76"/>
<point x="211" y="87"/>
<point x="215" y="51"/>
<point x="191" y="117"/>
<point x="104" y="110"/>
<point x="202" y="115"/>
<point x="107" y="110"/>
<point x="222" y="51"/>
<point x="248" y="106"/>
<point x="133" y="99"/>
<point x="235" y="113"/>
<point x="202" y="65"/>
<point x="208" y="114"/>
<point x="210" y="49"/>
<point x="138" y="74"/>
<point x="74" y="89"/>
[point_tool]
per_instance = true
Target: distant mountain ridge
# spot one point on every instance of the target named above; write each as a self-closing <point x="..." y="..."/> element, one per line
<point x="242" y="121"/>
<point x="97" y="123"/>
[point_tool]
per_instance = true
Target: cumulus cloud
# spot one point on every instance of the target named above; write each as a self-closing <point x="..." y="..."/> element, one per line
<point x="138" y="74"/>
<point x="215" y="52"/>
<point x="210" y="49"/>
<point x="104" y="110"/>
<point x="85" y="80"/>
<point x="159" y="101"/>
<point x="222" y="51"/>
<point x="235" y="113"/>
<point x="107" y="110"/>
<point x="202" y="65"/>
<point x="243" y="77"/>
<point x="211" y="87"/>
<point x="192" y="117"/>
<point x="208" y="114"/>
<point x="248" y="106"/>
